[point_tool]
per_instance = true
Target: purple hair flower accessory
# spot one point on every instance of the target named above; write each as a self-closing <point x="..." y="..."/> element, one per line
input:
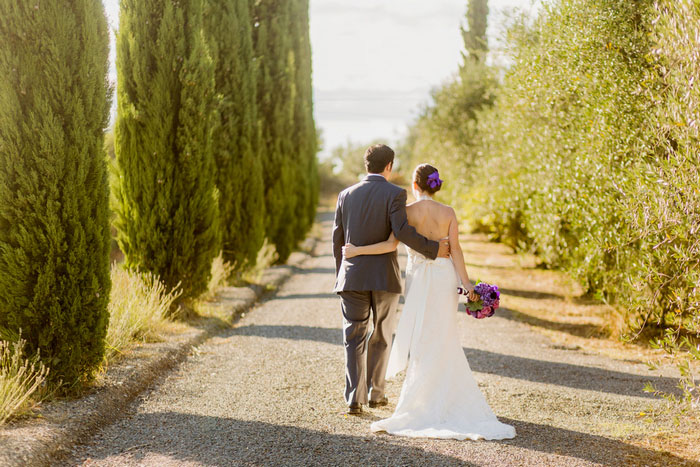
<point x="434" y="180"/>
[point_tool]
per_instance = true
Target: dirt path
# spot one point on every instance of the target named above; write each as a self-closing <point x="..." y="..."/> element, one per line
<point x="269" y="392"/>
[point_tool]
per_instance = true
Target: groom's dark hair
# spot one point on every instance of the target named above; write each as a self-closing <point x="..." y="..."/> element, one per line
<point x="377" y="157"/>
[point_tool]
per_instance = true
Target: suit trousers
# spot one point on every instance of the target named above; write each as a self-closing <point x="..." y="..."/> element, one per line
<point x="367" y="355"/>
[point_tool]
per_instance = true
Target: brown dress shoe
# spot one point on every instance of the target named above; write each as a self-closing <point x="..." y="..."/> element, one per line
<point x="355" y="409"/>
<point x="380" y="403"/>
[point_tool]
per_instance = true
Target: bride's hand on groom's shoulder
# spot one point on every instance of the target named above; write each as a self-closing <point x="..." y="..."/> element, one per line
<point x="349" y="250"/>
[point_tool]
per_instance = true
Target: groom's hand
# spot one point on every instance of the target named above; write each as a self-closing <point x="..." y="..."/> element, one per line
<point x="444" y="250"/>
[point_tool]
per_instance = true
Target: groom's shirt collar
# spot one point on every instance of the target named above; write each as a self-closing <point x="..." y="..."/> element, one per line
<point x="378" y="177"/>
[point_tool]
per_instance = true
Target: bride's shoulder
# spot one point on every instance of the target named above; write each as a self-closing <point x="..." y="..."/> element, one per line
<point x="429" y="204"/>
<point x="448" y="209"/>
<point x="443" y="211"/>
<point x="414" y="204"/>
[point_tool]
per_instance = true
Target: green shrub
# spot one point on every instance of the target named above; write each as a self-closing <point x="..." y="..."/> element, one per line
<point x="54" y="231"/>
<point x="663" y="201"/>
<point x="663" y="205"/>
<point x="591" y="153"/>
<point x="564" y="126"/>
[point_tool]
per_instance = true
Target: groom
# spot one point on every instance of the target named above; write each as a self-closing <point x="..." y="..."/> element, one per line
<point x="368" y="212"/>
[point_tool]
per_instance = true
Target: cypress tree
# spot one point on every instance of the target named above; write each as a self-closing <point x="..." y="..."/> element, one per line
<point x="304" y="130"/>
<point x="167" y="211"/>
<point x="275" y="95"/>
<point x="311" y="131"/>
<point x="235" y="132"/>
<point x="54" y="231"/>
<point x="475" y="39"/>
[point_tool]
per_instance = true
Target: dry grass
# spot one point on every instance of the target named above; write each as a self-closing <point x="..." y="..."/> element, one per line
<point x="683" y="440"/>
<point x="138" y="309"/>
<point x="220" y="273"/>
<point x="266" y="258"/>
<point x="21" y="380"/>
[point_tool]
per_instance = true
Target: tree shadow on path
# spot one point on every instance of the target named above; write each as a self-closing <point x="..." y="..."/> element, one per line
<point x="316" y="270"/>
<point x="566" y="374"/>
<point x="304" y="296"/>
<point x="218" y="441"/>
<point x="306" y="333"/>
<point x="484" y="361"/>
<point x="585" y="446"/>
<point x="575" y="329"/>
<point x="533" y="294"/>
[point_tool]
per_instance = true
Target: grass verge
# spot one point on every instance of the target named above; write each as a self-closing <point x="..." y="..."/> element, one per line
<point x="21" y="380"/>
<point x="138" y="309"/>
<point x="221" y="271"/>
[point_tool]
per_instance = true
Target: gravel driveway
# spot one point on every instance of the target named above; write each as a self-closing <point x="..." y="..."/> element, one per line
<point x="269" y="392"/>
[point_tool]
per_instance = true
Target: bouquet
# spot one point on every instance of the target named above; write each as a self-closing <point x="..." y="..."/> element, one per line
<point x="489" y="297"/>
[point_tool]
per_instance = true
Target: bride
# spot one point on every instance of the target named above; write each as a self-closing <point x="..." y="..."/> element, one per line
<point x="439" y="397"/>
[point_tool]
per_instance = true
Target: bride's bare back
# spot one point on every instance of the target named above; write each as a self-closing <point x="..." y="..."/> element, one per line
<point x="436" y="221"/>
<point x="430" y="218"/>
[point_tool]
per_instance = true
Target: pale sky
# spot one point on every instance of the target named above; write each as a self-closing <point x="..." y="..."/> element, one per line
<point x="375" y="61"/>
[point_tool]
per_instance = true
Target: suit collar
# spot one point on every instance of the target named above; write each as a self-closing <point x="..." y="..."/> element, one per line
<point x="375" y="178"/>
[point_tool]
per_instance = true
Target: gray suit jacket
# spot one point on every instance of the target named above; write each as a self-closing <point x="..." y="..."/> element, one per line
<point x="367" y="213"/>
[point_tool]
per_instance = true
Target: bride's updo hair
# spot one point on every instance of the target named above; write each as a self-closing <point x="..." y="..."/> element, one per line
<point x="427" y="178"/>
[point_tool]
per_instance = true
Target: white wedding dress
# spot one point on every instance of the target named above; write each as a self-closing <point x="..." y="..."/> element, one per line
<point x="439" y="397"/>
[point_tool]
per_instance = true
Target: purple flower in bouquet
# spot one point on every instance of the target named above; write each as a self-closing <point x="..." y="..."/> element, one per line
<point x="489" y="300"/>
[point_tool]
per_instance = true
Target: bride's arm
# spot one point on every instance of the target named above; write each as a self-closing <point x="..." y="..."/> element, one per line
<point x="387" y="246"/>
<point x="457" y="255"/>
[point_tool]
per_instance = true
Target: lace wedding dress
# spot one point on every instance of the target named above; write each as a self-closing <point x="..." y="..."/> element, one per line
<point x="439" y="397"/>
